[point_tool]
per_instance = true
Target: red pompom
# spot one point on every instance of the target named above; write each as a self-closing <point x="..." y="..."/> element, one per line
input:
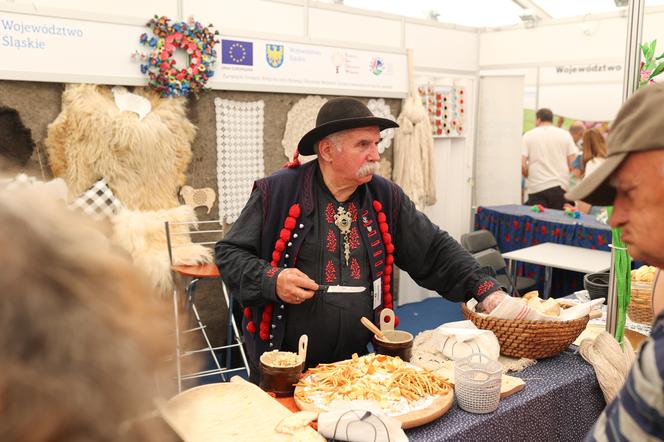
<point x="383" y="227"/>
<point x="269" y="308"/>
<point x="264" y="327"/>
<point x="377" y="206"/>
<point x="280" y="245"/>
<point x="251" y="327"/>
<point x="388" y="270"/>
<point x="396" y="321"/>
<point x="276" y="256"/>
<point x="284" y="234"/>
<point x="247" y="312"/>
<point x="389" y="259"/>
<point x="274" y="263"/>
<point x="387" y="299"/>
<point x="264" y="336"/>
<point x="381" y="217"/>
<point x="289" y="223"/>
<point x="386" y="288"/>
<point x="387" y="278"/>
<point x="389" y="248"/>
<point x="388" y="306"/>
<point x="387" y="238"/>
<point x="294" y="211"/>
<point x="266" y="316"/>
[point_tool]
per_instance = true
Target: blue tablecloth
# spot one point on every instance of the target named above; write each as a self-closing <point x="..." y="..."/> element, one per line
<point x="516" y="227"/>
<point x="560" y="402"/>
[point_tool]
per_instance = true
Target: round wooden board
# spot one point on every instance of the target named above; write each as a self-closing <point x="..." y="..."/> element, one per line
<point x="439" y="406"/>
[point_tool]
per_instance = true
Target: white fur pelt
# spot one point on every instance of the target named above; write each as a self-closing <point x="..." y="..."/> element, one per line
<point x="143" y="235"/>
<point x="144" y="162"/>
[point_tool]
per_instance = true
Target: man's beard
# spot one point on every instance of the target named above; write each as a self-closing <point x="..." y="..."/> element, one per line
<point x="368" y="169"/>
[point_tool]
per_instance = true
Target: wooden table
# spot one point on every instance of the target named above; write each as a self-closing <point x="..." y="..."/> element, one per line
<point x="560" y="256"/>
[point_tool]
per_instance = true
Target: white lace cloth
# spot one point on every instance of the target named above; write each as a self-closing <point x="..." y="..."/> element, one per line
<point x="300" y="120"/>
<point x="239" y="153"/>
<point x="381" y="109"/>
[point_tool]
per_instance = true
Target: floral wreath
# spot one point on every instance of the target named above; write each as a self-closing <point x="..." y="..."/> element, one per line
<point x="165" y="76"/>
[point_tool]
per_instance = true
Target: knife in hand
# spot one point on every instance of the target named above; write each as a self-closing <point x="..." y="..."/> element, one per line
<point x="339" y="289"/>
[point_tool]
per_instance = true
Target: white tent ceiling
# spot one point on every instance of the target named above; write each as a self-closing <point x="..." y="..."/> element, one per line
<point x="489" y="13"/>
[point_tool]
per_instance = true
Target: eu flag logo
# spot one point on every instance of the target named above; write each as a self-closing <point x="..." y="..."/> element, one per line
<point x="237" y="52"/>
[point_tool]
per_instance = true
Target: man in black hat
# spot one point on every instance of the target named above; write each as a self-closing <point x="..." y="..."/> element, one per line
<point x="331" y="222"/>
<point x="632" y="179"/>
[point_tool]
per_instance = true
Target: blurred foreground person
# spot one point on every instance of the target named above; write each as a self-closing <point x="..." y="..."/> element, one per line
<point x="632" y="179"/>
<point x="80" y="332"/>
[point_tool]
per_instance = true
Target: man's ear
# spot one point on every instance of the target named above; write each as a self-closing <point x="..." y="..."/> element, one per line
<point x="324" y="149"/>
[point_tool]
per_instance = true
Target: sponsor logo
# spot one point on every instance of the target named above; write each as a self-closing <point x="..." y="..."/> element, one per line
<point x="376" y="65"/>
<point x="274" y="54"/>
<point x="237" y="52"/>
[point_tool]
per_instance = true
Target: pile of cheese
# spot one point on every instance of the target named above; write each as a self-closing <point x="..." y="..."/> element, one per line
<point x="549" y="307"/>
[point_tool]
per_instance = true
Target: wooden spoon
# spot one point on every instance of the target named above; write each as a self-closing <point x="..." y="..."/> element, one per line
<point x="372" y="327"/>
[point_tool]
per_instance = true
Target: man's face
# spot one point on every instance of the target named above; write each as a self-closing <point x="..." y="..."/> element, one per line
<point x="639" y="205"/>
<point x="358" y="158"/>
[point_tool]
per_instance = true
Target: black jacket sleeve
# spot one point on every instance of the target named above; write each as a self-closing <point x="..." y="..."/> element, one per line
<point x="435" y="260"/>
<point x="249" y="278"/>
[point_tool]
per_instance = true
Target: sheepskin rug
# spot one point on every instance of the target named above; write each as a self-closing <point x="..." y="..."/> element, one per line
<point x="143" y="235"/>
<point x="144" y="162"/>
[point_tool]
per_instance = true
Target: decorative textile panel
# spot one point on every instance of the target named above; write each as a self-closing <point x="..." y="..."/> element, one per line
<point x="300" y="120"/>
<point x="239" y="153"/>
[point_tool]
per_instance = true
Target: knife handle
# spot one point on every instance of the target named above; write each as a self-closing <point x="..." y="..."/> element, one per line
<point x="322" y="288"/>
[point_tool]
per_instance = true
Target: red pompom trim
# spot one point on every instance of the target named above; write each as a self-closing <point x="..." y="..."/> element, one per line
<point x="381" y="217"/>
<point x="387" y="278"/>
<point x="294" y="211"/>
<point x="284" y="234"/>
<point x="290" y="223"/>
<point x="388" y="270"/>
<point x="280" y="245"/>
<point x="377" y="206"/>
<point x="387" y="298"/>
<point x="247" y="312"/>
<point x="389" y="248"/>
<point x="269" y="308"/>
<point x="389" y="260"/>
<point x="264" y="336"/>
<point x="396" y="321"/>
<point x="266" y="316"/>
<point x="276" y="256"/>
<point x="386" y="288"/>
<point x="387" y="238"/>
<point x="274" y="263"/>
<point x="264" y="327"/>
<point x="383" y="227"/>
<point x="251" y="327"/>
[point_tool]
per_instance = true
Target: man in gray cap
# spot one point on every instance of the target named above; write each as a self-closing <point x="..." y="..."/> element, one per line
<point x="632" y="179"/>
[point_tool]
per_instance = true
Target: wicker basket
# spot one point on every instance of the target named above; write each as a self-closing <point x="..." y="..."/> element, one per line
<point x="521" y="338"/>
<point x="640" y="304"/>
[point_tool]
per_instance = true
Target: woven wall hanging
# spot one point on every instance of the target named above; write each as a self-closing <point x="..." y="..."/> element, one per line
<point x="381" y="109"/>
<point x="239" y="153"/>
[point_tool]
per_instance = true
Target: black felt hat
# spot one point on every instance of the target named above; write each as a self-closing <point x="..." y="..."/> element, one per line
<point x="340" y="114"/>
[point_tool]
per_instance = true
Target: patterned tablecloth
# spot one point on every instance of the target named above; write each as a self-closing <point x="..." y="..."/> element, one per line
<point x="560" y="402"/>
<point x="515" y="227"/>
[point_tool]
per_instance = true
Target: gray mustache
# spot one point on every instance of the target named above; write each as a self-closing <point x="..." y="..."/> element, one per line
<point x="368" y="169"/>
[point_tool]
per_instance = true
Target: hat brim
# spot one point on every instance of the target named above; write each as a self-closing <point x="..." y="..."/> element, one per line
<point x="595" y="189"/>
<point x="306" y="144"/>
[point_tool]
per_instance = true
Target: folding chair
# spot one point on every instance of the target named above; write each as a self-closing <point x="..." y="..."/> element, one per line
<point x="196" y="273"/>
<point x="478" y="240"/>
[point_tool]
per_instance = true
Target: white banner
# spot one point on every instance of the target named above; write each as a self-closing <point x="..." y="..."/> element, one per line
<point x="581" y="73"/>
<point x="254" y="63"/>
<point x="43" y="48"/>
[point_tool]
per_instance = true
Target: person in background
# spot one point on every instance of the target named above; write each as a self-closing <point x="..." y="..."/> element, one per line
<point x="546" y="162"/>
<point x="576" y="130"/>
<point x="333" y="222"/>
<point x="594" y="154"/>
<point x="632" y="180"/>
<point x="81" y="333"/>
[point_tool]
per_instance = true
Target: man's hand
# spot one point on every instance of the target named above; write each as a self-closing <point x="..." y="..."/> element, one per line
<point x="294" y="287"/>
<point x="492" y="301"/>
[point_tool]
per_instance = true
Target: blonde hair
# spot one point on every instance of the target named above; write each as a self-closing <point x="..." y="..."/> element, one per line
<point x="81" y="332"/>
<point x="594" y="145"/>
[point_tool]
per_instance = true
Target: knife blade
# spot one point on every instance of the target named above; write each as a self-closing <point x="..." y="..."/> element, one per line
<point x="339" y="289"/>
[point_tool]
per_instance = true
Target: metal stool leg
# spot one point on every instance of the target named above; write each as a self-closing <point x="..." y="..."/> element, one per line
<point x="236" y="334"/>
<point x="178" y="367"/>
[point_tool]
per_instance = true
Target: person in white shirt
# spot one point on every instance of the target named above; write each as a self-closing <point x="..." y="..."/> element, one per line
<point x="547" y="155"/>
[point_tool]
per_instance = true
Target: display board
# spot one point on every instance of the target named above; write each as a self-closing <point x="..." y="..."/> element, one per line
<point x="446" y="106"/>
<point x="45" y="48"/>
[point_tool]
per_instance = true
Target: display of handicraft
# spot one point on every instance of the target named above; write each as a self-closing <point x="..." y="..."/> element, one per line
<point x="446" y="108"/>
<point x="165" y="76"/>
